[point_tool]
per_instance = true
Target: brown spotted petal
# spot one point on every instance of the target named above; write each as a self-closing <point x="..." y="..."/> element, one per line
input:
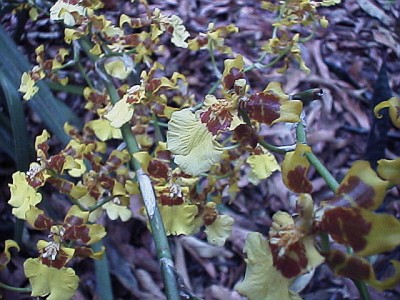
<point x="219" y="115"/>
<point x="293" y="250"/>
<point x="366" y="232"/>
<point x="362" y="187"/>
<point x="295" y="167"/>
<point x="232" y="71"/>
<point x="84" y="252"/>
<point x="158" y="169"/>
<point x="246" y="136"/>
<point x="76" y="227"/>
<point x="270" y="107"/>
<point x="116" y="160"/>
<point x="37" y="219"/>
<point x="358" y="268"/>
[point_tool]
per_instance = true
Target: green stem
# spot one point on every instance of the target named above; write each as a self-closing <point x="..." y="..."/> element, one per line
<point x="325" y="174"/>
<point x="333" y="185"/>
<point x="213" y="62"/>
<point x="85" y="76"/>
<point x="94" y="207"/>
<point x="103" y="279"/>
<point x="321" y="169"/>
<point x="214" y="87"/>
<point x="277" y="149"/>
<point x="362" y="289"/>
<point x="150" y="203"/>
<point x="256" y="63"/>
<point x="325" y="245"/>
<point x="15" y="289"/>
<point x="158" y="133"/>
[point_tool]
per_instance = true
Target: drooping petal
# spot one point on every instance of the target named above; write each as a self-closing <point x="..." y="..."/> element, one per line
<point x="295" y="167"/>
<point x="263" y="165"/>
<point x="115" y="211"/>
<point x="179" y="33"/>
<point x="262" y="281"/>
<point x="389" y="170"/>
<point x="121" y="113"/>
<point x="362" y="187"/>
<point x="360" y="269"/>
<point x="28" y="86"/>
<point x="393" y="104"/>
<point x="5" y="256"/>
<point x="104" y="130"/>
<point x="366" y="232"/>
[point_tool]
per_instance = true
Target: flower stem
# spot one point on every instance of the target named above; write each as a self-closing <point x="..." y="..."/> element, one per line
<point x="277" y="149"/>
<point x="333" y="185"/>
<point x="150" y="203"/>
<point x="312" y="158"/>
<point x="146" y="189"/>
<point x="15" y="289"/>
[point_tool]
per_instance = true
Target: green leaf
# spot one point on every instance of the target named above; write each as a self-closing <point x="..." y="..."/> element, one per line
<point x="6" y="136"/>
<point x="17" y="119"/>
<point x="52" y="112"/>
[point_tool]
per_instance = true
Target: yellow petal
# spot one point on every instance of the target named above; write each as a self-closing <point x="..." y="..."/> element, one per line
<point x="27" y="87"/>
<point x="23" y="196"/>
<point x="5" y="256"/>
<point x="256" y="284"/>
<point x="219" y="230"/>
<point x="120" y="114"/>
<point x="362" y="186"/>
<point x="194" y="146"/>
<point x="295" y="167"/>
<point x="103" y="130"/>
<point x="182" y="225"/>
<point x="389" y="170"/>
<point x="55" y="284"/>
<point x="117" y="68"/>
<point x="179" y="34"/>
<point x="263" y="165"/>
<point x="394" y="110"/>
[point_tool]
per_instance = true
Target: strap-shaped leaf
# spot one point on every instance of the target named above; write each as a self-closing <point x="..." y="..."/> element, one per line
<point x="52" y="112"/>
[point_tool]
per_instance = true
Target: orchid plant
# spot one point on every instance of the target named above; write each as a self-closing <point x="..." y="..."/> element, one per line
<point x="182" y="169"/>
